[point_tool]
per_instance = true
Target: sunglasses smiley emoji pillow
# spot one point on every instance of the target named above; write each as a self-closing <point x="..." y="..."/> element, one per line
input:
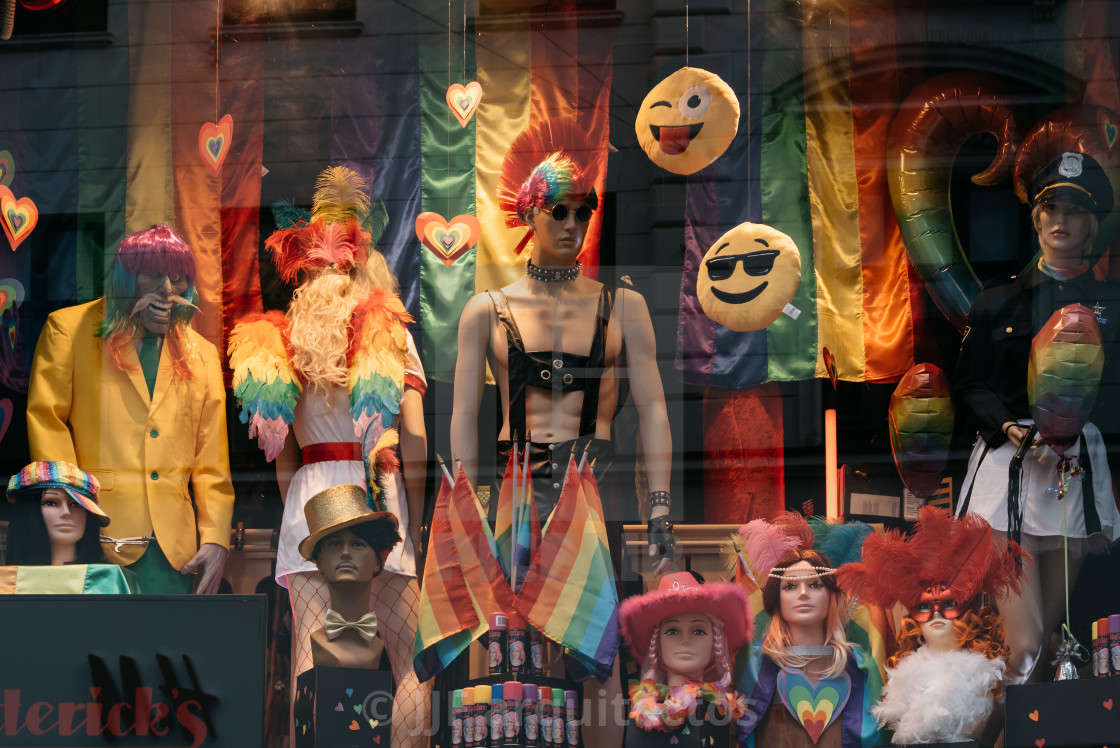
<point x="748" y="276"/>
<point x="687" y="121"/>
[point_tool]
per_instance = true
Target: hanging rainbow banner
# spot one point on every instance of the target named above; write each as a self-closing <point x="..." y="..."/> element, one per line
<point x="105" y="141"/>
<point x="526" y="69"/>
<point x="817" y="98"/>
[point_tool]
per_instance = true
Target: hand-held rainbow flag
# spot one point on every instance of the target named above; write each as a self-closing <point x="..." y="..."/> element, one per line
<point x="503" y="522"/>
<point x="475" y="549"/>
<point x="527" y="533"/>
<point x="450" y="617"/>
<point x="569" y="592"/>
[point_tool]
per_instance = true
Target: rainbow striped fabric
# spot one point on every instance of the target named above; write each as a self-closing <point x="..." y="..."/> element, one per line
<point x="569" y="591"/>
<point x="78" y="579"/>
<point x="450" y="617"/>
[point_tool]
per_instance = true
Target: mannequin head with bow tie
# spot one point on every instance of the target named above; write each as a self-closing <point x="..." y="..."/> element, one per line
<point x="349" y="544"/>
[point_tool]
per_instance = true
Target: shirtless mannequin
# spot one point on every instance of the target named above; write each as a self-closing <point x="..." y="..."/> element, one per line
<point x="563" y="318"/>
<point x="560" y="315"/>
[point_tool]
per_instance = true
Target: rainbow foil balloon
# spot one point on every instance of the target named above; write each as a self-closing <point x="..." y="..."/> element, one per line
<point x="921" y="427"/>
<point x="1064" y="375"/>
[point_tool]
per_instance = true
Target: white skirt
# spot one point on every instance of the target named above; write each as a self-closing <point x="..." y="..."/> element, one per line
<point x="1045" y="519"/>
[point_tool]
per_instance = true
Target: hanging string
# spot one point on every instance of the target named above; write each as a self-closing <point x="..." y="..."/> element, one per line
<point x="447" y="114"/>
<point x="686" y="35"/>
<point x="217" y="56"/>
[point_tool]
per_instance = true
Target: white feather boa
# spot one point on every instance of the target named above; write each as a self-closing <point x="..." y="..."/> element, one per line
<point x="938" y="697"/>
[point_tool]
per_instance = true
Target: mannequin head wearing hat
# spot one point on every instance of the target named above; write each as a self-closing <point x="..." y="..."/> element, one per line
<point x="1070" y="195"/>
<point x="349" y="543"/>
<point x="687" y="630"/>
<point x="56" y="518"/>
<point x="806" y="608"/>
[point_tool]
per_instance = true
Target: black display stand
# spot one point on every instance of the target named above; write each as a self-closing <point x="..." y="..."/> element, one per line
<point x="1064" y="714"/>
<point x="132" y="671"/>
<point x="339" y="707"/>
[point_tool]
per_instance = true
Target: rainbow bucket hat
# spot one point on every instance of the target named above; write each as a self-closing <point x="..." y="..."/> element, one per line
<point x="80" y="485"/>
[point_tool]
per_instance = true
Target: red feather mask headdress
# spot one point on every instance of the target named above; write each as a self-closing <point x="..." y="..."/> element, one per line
<point x="960" y="556"/>
<point x="554" y="161"/>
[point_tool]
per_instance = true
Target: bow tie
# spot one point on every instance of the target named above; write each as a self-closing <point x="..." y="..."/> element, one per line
<point x="334" y="624"/>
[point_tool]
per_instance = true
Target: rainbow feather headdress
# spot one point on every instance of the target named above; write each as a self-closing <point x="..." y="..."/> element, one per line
<point x="546" y="164"/>
<point x="339" y="231"/>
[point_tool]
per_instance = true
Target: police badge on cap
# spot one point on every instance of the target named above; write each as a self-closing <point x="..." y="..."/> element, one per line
<point x="1074" y="178"/>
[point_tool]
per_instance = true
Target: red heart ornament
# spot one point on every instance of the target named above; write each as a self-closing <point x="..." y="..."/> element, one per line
<point x="214" y="142"/>
<point x="1040" y="742"/>
<point x="18" y="217"/>
<point x="1107" y="704"/>
<point x="464" y="100"/>
<point x="7" y="167"/>
<point x="448" y="240"/>
<point x="815" y="725"/>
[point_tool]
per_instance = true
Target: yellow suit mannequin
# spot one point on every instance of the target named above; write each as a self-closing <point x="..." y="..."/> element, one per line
<point x="148" y="453"/>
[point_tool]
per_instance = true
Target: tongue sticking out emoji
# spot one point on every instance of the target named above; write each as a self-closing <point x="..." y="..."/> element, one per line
<point x="687" y="120"/>
<point x="674" y="140"/>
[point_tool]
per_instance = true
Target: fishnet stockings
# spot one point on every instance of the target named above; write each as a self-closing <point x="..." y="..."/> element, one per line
<point x="395" y="599"/>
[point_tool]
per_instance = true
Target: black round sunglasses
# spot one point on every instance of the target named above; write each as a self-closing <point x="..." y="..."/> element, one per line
<point x="560" y="213"/>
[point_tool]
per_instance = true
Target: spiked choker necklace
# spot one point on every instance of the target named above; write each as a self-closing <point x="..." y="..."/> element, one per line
<point x="552" y="275"/>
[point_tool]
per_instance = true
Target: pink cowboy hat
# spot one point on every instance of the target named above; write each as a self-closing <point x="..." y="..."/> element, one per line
<point x="681" y="593"/>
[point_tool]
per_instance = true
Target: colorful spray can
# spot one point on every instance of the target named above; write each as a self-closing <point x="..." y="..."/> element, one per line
<point x="530" y="722"/>
<point x="496" y="643"/>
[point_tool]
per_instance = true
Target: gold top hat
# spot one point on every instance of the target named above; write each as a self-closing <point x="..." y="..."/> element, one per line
<point x="340" y="507"/>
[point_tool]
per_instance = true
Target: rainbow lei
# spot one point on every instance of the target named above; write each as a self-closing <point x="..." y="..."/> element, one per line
<point x="656" y="707"/>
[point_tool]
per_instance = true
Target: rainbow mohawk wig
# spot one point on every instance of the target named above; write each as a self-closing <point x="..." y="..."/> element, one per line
<point x="546" y="164"/>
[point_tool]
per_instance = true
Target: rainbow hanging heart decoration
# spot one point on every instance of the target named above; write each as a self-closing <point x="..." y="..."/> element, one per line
<point x="447" y="240"/>
<point x="18" y="216"/>
<point x="815" y="706"/>
<point x="1109" y="130"/>
<point x="7" y="168"/>
<point x="11" y="294"/>
<point x="214" y="142"/>
<point x="464" y="100"/>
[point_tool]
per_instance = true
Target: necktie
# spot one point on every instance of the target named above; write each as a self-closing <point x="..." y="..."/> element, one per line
<point x="149" y="361"/>
<point x="334" y="624"/>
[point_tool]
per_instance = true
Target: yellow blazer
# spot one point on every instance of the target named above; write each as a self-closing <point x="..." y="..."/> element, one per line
<point x="150" y="454"/>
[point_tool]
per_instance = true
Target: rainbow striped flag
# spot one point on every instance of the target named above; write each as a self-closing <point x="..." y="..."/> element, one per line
<point x="527" y="536"/>
<point x="503" y="521"/>
<point x="809" y="161"/>
<point x="80" y="579"/>
<point x="474" y="547"/>
<point x="569" y="591"/>
<point x="450" y="617"/>
<point x="529" y="72"/>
